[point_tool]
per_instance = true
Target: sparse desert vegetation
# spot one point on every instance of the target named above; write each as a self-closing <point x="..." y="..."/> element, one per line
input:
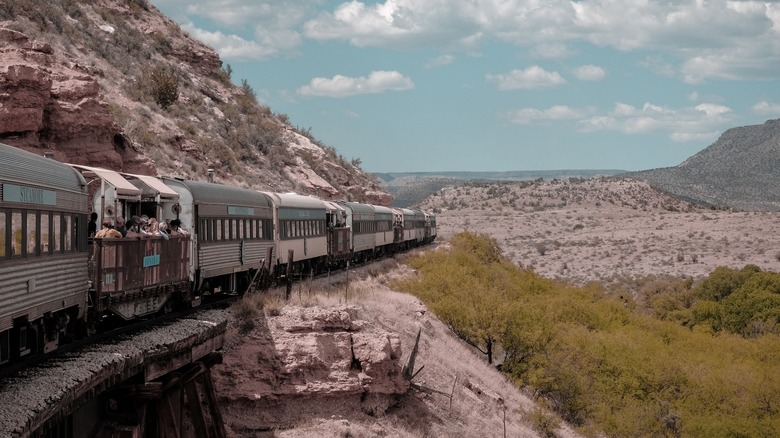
<point x="612" y="230"/>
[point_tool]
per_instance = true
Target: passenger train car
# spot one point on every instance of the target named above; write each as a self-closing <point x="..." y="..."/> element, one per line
<point x="56" y="282"/>
<point x="43" y="252"/>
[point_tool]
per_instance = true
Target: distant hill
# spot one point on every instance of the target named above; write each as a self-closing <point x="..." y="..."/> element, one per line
<point x="410" y="188"/>
<point x="740" y="170"/>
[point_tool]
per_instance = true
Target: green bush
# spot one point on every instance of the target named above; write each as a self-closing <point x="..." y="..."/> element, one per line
<point x="605" y="368"/>
<point x="164" y="86"/>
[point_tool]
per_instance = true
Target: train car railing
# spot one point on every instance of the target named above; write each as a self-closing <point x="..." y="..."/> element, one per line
<point x="338" y="242"/>
<point x="130" y="265"/>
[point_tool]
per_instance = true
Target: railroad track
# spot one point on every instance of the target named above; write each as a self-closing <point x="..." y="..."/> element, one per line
<point x="17" y="368"/>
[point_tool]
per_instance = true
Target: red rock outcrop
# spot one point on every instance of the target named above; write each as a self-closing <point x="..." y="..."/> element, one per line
<point x="307" y="358"/>
<point x="46" y="106"/>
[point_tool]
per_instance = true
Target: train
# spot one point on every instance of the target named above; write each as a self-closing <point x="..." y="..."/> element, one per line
<point x="57" y="283"/>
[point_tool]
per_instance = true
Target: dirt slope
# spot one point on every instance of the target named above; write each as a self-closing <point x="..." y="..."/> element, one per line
<point x="483" y="403"/>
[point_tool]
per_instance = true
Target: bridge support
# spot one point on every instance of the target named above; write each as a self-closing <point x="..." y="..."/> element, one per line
<point x="159" y="408"/>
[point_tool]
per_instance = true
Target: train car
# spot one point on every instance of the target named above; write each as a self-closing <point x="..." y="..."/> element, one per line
<point x="339" y="246"/>
<point x="43" y="253"/>
<point x="405" y="234"/>
<point x="301" y="227"/>
<point x="383" y="229"/>
<point x="418" y="227"/>
<point x="430" y="227"/>
<point x="131" y="278"/>
<point x="360" y="220"/>
<point x="231" y="232"/>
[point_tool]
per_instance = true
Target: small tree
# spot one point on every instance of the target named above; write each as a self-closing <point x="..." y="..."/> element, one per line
<point x="164" y="86"/>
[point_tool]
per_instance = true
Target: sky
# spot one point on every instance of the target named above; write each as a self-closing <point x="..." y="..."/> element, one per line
<point x="500" y="85"/>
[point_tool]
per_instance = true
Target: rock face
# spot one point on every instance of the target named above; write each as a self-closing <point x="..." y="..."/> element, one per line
<point x="49" y="107"/>
<point x="307" y="359"/>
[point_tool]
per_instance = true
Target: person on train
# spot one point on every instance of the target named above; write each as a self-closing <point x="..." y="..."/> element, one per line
<point x="108" y="230"/>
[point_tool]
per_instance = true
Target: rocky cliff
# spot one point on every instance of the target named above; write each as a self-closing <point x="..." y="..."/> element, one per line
<point x="116" y="84"/>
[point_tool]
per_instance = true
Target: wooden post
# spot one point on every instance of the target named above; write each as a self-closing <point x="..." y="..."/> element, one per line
<point x="453" y="390"/>
<point x="290" y="254"/>
<point x="196" y="409"/>
<point x="408" y="369"/>
<point x="346" y="288"/>
<point x="216" y="413"/>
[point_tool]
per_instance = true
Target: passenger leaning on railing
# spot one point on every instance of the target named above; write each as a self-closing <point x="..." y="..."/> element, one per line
<point x="176" y="229"/>
<point x="108" y="230"/>
<point x="133" y="230"/>
<point x="156" y="230"/>
<point x="120" y="226"/>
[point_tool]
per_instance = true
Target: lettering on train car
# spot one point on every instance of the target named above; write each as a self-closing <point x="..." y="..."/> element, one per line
<point x="28" y="195"/>
<point x="243" y="211"/>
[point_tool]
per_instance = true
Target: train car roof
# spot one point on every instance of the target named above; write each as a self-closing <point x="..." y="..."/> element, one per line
<point x="334" y="206"/>
<point x="152" y="187"/>
<point x="212" y="193"/>
<point x="122" y="186"/>
<point x="28" y="168"/>
<point x="382" y="209"/>
<point x="357" y="207"/>
<point x="294" y="200"/>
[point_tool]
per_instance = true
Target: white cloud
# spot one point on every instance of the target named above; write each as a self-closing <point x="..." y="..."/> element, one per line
<point x="525" y="116"/>
<point x="590" y="73"/>
<point x="530" y="78"/>
<point x="694" y="40"/>
<point x="684" y="124"/>
<point x="394" y="23"/>
<point x="344" y="86"/>
<point x="765" y="108"/>
<point x="552" y="50"/>
<point x="715" y="39"/>
<point x="440" y="61"/>
<point x="231" y="46"/>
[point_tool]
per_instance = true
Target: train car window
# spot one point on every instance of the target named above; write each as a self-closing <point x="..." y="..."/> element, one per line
<point x="204" y="230"/>
<point x="241" y="227"/>
<point x="56" y="225"/>
<point x="70" y="230"/>
<point x="32" y="232"/>
<point x="218" y="229"/>
<point x="45" y="245"/>
<point x="16" y="234"/>
<point x="3" y="243"/>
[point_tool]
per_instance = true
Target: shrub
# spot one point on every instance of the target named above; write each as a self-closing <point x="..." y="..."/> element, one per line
<point x="609" y="370"/>
<point x="164" y="86"/>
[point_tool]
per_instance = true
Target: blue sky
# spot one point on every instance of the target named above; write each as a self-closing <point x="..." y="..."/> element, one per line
<point x="495" y="85"/>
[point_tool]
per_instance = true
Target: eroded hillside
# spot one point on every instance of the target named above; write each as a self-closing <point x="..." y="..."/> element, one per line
<point x="117" y="84"/>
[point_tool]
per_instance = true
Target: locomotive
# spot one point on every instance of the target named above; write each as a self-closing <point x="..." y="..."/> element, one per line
<point x="58" y="283"/>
